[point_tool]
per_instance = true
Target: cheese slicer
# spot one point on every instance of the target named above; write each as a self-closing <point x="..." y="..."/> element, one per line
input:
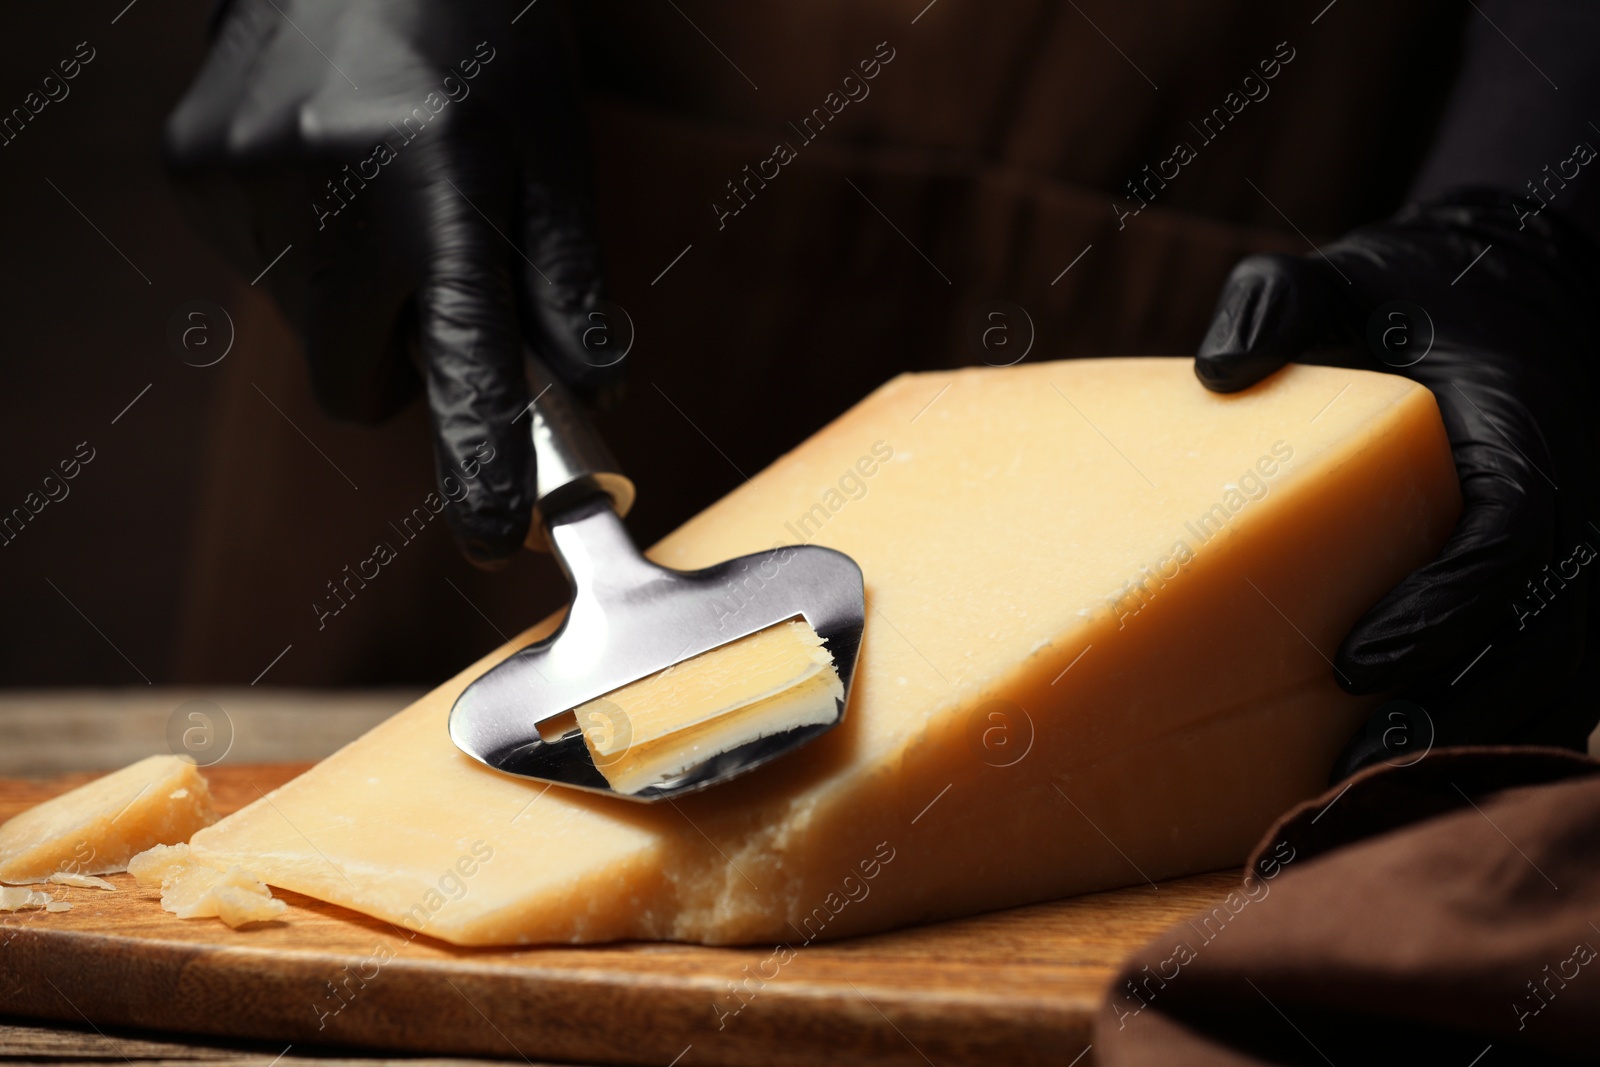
<point x="630" y="618"/>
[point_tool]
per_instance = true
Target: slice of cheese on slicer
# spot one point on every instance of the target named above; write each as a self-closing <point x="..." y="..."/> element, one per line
<point x="773" y="680"/>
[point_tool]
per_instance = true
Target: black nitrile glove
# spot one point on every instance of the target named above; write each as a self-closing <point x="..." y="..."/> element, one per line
<point x="429" y="222"/>
<point x="1505" y="348"/>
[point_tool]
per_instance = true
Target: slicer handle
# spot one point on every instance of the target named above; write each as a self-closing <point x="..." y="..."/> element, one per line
<point x="571" y="462"/>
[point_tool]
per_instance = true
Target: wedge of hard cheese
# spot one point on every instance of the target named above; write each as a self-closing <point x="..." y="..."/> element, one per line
<point x="1101" y="607"/>
<point x="98" y="827"/>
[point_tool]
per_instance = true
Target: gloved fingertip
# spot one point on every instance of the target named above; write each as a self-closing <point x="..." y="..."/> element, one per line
<point x="1229" y="372"/>
<point x="489" y="510"/>
<point x="1272" y="309"/>
<point x="1399" y="732"/>
<point x="487" y="543"/>
<point x="1360" y="752"/>
<point x="1363" y="671"/>
<point x="488" y="563"/>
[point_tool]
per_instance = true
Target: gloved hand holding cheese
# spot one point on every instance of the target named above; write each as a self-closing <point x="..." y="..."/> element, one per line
<point x="1101" y="602"/>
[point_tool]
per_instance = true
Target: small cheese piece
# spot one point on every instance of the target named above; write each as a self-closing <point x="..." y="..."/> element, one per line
<point x="775" y="679"/>
<point x="1101" y="604"/>
<point x="155" y="865"/>
<point x="58" y="905"/>
<point x="81" y="881"/>
<point x="193" y="890"/>
<point x="95" y="828"/>
<point x="19" y="898"/>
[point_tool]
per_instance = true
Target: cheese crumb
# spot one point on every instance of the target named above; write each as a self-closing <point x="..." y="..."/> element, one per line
<point x="192" y="890"/>
<point x="20" y="898"/>
<point x="80" y="881"/>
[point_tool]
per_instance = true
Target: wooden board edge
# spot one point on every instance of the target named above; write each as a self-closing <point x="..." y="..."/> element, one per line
<point x="242" y="992"/>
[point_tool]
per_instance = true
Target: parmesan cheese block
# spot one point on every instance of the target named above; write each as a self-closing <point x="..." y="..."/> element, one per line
<point x="1102" y="603"/>
<point x="772" y="680"/>
<point x="97" y="827"/>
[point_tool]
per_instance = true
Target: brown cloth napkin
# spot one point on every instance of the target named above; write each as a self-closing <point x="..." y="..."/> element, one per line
<point x="1444" y="912"/>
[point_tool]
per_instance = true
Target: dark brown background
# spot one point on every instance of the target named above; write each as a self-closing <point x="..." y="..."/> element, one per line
<point x="995" y="141"/>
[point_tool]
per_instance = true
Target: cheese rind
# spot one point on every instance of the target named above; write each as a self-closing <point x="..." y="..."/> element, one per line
<point x="97" y="827"/>
<point x="1138" y="582"/>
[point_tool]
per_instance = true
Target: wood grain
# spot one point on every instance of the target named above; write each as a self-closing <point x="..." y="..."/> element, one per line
<point x="62" y="1046"/>
<point x="1017" y="986"/>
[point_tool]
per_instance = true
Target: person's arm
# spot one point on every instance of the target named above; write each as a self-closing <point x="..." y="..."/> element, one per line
<point x="1488" y="294"/>
<point x="1528" y="95"/>
<point x="412" y="188"/>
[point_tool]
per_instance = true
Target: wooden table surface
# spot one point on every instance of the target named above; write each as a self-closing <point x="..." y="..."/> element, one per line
<point x="1062" y="954"/>
<point x="49" y="732"/>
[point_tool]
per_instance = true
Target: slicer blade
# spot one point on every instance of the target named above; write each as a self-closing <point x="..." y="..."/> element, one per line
<point x="630" y="618"/>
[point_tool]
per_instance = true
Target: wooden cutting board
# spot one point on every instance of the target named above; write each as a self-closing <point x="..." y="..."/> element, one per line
<point x="1017" y="986"/>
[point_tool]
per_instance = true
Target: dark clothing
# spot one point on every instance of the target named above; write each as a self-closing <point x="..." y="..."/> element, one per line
<point x="1424" y="915"/>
